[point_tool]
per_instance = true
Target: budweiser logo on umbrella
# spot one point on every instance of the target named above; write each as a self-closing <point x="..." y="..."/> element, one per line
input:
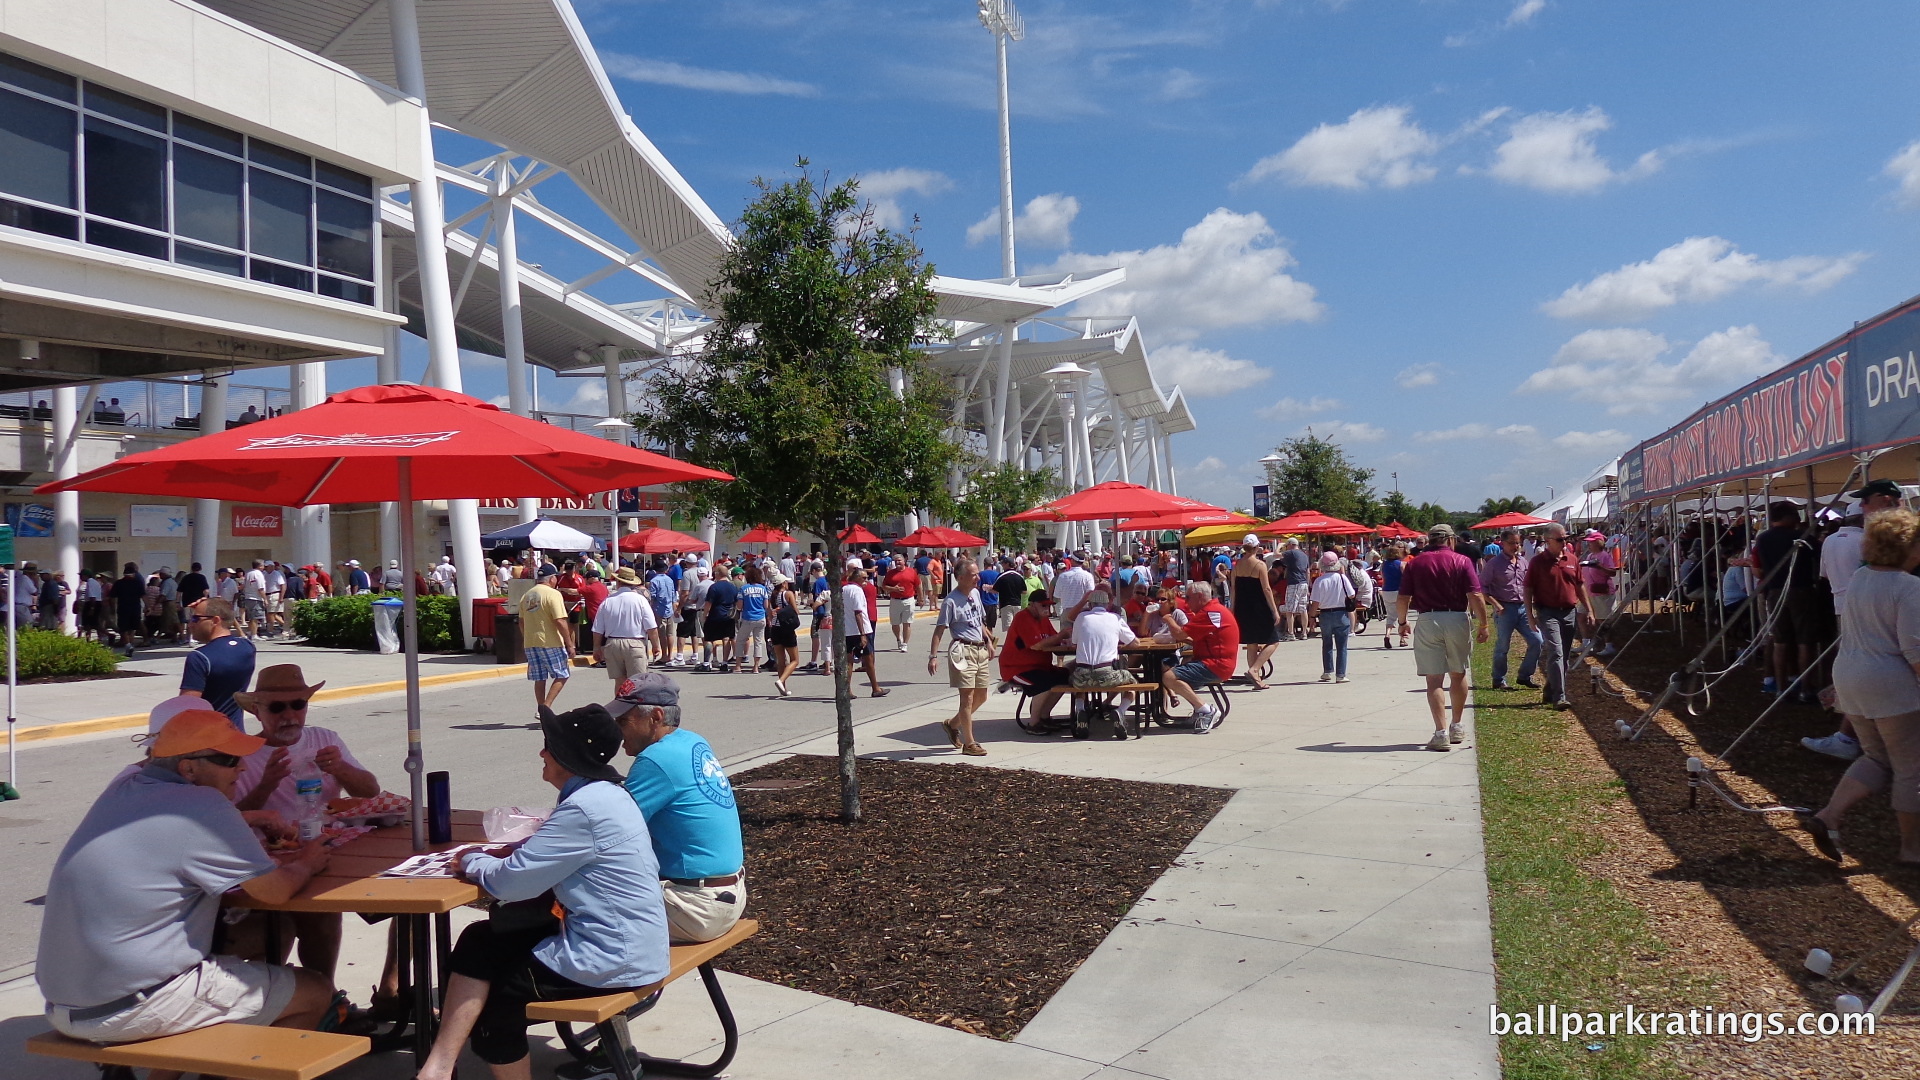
<point x="296" y="442"/>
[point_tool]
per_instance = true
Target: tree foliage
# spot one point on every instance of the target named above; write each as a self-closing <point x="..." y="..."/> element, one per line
<point x="1314" y="474"/>
<point x="1512" y="504"/>
<point x="815" y="308"/>
<point x="991" y="494"/>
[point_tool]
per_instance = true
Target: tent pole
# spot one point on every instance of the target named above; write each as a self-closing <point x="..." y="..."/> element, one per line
<point x="13" y="682"/>
<point x="410" y="626"/>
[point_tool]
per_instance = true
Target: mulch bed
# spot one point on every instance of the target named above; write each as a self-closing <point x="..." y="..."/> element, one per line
<point x="1741" y="897"/>
<point x="965" y="897"/>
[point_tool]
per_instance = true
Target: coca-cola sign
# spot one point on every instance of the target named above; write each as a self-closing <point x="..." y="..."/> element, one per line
<point x="256" y="521"/>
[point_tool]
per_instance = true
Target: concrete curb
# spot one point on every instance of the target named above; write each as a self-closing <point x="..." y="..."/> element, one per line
<point x="65" y="729"/>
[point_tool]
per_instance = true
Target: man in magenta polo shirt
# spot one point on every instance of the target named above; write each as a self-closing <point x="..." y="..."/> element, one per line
<point x="1555" y="598"/>
<point x="1443" y="586"/>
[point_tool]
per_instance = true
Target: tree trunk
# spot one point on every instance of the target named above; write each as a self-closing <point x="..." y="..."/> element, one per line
<point x="843" y="622"/>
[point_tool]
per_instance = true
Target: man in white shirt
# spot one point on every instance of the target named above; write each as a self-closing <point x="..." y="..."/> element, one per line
<point x="253" y="598"/>
<point x="858" y="629"/>
<point x="787" y="566"/>
<point x="1098" y="634"/>
<point x="26" y="594"/>
<point x="622" y="628"/>
<point x="1071" y="586"/>
<point x="276" y="599"/>
<point x="443" y="575"/>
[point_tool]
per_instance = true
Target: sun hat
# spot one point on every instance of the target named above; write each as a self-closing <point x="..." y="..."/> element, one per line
<point x="1440" y="529"/>
<point x="582" y="740"/>
<point x="278" y="679"/>
<point x="197" y="730"/>
<point x="626" y="576"/>
<point x="646" y="688"/>
<point x="1329" y="560"/>
<point x="1249" y="540"/>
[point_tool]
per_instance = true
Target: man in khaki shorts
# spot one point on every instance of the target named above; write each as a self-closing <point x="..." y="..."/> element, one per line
<point x="1443" y="586"/>
<point x="621" y="627"/>
<point x="117" y="965"/>
<point x="969" y="658"/>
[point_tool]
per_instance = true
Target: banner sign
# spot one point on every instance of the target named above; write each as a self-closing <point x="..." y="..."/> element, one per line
<point x="256" y="521"/>
<point x="30" y="519"/>
<point x="1262" y="501"/>
<point x="1857" y="393"/>
<point x="148" y="519"/>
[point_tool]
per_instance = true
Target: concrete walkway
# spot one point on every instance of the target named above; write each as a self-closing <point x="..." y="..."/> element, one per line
<point x="1330" y="922"/>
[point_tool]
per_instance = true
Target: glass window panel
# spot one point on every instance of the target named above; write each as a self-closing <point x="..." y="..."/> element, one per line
<point x="337" y="177"/>
<point x="51" y="222"/>
<point x="208" y="259"/>
<point x="285" y="160"/>
<point x="207" y="135"/>
<point x="346" y="290"/>
<point x="36" y="149"/>
<point x="281" y="224"/>
<point x="139" y="243"/>
<point x="287" y="276"/>
<point x="28" y="75"/>
<point x="131" y="109"/>
<point x="126" y="174"/>
<point x="346" y="234"/>
<point x="206" y="197"/>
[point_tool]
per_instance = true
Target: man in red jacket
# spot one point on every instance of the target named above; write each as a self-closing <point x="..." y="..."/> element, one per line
<point x="1215" y="636"/>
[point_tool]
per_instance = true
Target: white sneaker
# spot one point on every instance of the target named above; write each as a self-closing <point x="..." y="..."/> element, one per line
<point x="1837" y="745"/>
<point x="1326" y="676"/>
<point x="1203" y="718"/>
<point x="1339" y="678"/>
<point x="1455" y="734"/>
<point x="1438" y="742"/>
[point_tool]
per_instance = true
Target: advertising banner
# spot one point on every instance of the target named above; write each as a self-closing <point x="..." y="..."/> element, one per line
<point x="1262" y="501"/>
<point x="30" y="519"/>
<point x="1858" y="392"/>
<point x="256" y="521"/>
<point x="158" y="520"/>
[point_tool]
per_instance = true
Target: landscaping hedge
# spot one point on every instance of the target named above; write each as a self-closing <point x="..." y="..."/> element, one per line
<point x="48" y="654"/>
<point x="346" y="622"/>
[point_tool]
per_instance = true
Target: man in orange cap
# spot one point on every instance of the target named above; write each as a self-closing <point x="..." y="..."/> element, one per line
<point x="126" y="941"/>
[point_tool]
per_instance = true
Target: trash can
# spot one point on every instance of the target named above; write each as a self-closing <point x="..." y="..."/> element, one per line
<point x="386" y="624"/>
<point x="506" y="640"/>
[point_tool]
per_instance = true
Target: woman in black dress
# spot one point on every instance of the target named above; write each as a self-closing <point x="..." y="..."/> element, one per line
<point x="1253" y="608"/>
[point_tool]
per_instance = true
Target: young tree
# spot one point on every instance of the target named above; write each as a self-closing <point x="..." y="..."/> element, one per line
<point x="992" y="494"/>
<point x="1314" y="474"/>
<point x="1512" y="504"/>
<point x="1397" y="507"/>
<point x="813" y="305"/>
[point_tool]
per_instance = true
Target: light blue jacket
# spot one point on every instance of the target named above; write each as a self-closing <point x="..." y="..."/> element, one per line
<point x="596" y="856"/>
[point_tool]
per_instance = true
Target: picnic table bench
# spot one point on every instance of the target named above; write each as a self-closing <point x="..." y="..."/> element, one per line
<point x="608" y="1015"/>
<point x="240" y="1051"/>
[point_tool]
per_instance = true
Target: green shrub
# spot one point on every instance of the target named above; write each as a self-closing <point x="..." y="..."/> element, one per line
<point x="48" y="654"/>
<point x="346" y="622"/>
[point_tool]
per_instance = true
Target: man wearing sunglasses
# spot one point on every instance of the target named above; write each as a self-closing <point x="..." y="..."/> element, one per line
<point x="223" y="664"/>
<point x="127" y="938"/>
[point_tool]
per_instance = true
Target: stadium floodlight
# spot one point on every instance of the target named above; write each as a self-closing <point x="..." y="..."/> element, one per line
<point x="1005" y="24"/>
<point x="1000" y="17"/>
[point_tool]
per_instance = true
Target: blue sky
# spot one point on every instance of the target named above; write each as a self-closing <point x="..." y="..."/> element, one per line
<point x="1486" y="244"/>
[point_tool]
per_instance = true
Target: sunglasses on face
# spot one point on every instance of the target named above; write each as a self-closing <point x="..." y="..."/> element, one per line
<point x="283" y="706"/>
<point x="197" y="617"/>
<point x="225" y="761"/>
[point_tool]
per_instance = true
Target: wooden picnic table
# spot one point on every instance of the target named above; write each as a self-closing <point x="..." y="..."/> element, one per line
<point x="1155" y="656"/>
<point x="421" y="907"/>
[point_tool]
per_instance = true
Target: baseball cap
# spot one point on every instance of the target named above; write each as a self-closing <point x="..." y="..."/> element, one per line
<point x="1440" y="529"/>
<point x="1249" y="540"/>
<point x="1039" y="596"/>
<point x="548" y="570"/>
<point x="171" y="708"/>
<point x="646" y="688"/>
<point x="1876" y="487"/>
<point x="703" y="572"/>
<point x="197" y="730"/>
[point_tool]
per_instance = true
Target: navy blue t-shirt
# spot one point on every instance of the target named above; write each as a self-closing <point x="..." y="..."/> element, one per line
<point x="722" y="594"/>
<point x="218" y="670"/>
<point x="989" y="597"/>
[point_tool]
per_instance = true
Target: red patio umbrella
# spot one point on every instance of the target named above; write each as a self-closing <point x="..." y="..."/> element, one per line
<point x="658" y="541"/>
<point x="858" y="534"/>
<point x="1311" y="521"/>
<point x="1185" y="519"/>
<point x="1113" y="499"/>
<point x="765" y="534"/>
<point x="389" y="444"/>
<point x="1393" y="530"/>
<point x="939" y="536"/>
<point x="1514" y="520"/>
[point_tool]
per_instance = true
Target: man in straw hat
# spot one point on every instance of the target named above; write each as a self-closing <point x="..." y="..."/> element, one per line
<point x="622" y="626"/>
<point x="127" y="939"/>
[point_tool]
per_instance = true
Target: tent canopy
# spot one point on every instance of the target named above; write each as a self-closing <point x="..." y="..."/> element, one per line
<point x="544" y="534"/>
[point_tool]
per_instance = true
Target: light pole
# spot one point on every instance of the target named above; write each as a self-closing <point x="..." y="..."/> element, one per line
<point x="1066" y="378"/>
<point x="615" y="429"/>
<point x="1005" y="24"/>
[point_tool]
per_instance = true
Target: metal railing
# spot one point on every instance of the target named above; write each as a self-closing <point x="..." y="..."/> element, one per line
<point x="151" y="406"/>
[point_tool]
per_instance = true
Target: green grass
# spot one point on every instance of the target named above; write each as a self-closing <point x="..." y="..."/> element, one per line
<point x="1560" y="934"/>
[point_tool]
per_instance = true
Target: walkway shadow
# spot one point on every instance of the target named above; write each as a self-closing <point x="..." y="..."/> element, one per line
<point x="1347" y="748"/>
<point x="535" y="726"/>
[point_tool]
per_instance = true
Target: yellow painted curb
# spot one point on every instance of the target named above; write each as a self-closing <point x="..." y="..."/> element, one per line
<point x="42" y="732"/>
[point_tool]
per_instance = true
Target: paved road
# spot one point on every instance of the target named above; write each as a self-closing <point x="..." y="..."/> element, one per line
<point x="483" y="733"/>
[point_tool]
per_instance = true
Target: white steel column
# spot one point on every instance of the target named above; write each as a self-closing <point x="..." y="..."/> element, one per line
<point x="1123" y="444"/>
<point x="1153" y="454"/>
<point x="512" y="335"/>
<point x="954" y="478"/>
<point x="896" y="382"/>
<point x="388" y="372"/>
<point x="1016" y="444"/>
<point x="66" y="504"/>
<point x="1166" y="451"/>
<point x="313" y="533"/>
<point x="1003" y="374"/>
<point x="436" y="302"/>
<point x="207" y="513"/>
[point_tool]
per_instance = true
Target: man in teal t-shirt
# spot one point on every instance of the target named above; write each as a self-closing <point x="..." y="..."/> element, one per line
<point x="684" y="794"/>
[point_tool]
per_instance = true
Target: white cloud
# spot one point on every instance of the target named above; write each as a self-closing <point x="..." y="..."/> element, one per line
<point x="1204" y="372"/>
<point x="1905" y="168"/>
<point x="1380" y="146"/>
<point x="1047" y="222"/>
<point x="1293" y="408"/>
<point x="1345" y="431"/>
<point x="589" y="399"/>
<point x="1594" y="443"/>
<point x="667" y="73"/>
<point x="1695" y="270"/>
<point x="1179" y="84"/>
<point x="1523" y="12"/>
<point x="884" y="188"/>
<point x="1621" y="369"/>
<point x="1228" y="270"/>
<point x="1556" y="152"/>
<point x="1417" y="376"/>
<point x="1479" y="432"/>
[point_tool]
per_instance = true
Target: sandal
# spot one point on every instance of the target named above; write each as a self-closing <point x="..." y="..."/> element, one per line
<point x="881" y="692"/>
<point x="953" y="733"/>
<point x="974" y="749"/>
<point x="1824" y="838"/>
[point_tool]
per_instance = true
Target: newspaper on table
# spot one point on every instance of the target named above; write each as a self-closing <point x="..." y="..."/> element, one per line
<point x="433" y="864"/>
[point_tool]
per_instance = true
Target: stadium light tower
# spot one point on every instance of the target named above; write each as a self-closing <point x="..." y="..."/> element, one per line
<point x="1005" y="24"/>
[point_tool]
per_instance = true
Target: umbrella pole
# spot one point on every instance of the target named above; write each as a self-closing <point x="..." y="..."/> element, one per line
<point x="13" y="685"/>
<point x="410" y="627"/>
